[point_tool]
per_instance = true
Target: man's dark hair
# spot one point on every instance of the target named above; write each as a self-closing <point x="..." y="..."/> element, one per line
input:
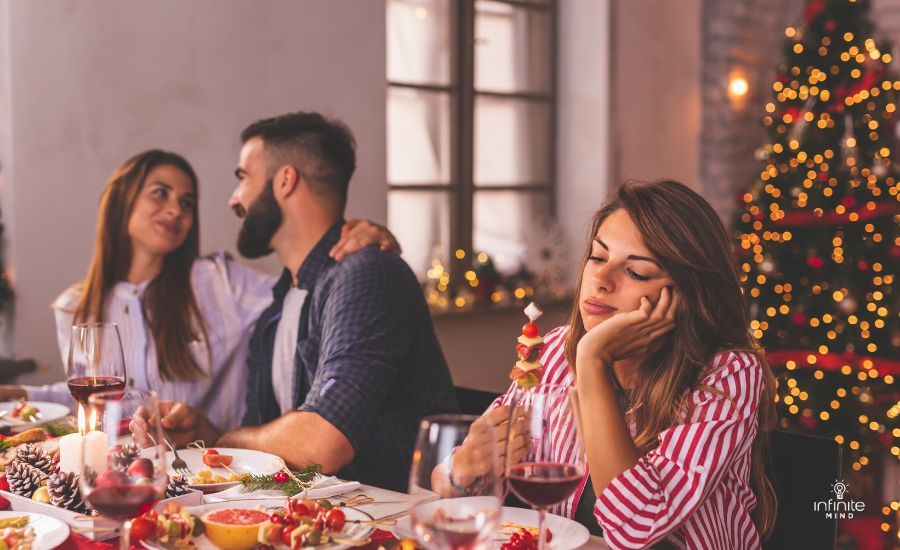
<point x="323" y="151"/>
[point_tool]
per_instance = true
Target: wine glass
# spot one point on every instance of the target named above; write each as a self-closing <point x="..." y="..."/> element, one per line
<point x="96" y="361"/>
<point x="116" y="494"/>
<point x="468" y="477"/>
<point x="544" y="460"/>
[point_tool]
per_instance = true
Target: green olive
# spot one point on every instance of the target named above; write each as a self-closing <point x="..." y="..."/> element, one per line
<point x="174" y="530"/>
<point x="198" y="527"/>
<point x="528" y="381"/>
<point x="307" y="520"/>
<point x="314" y="537"/>
<point x="325" y="503"/>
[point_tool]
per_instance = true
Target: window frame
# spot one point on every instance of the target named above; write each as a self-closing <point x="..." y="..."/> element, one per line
<point x="461" y="187"/>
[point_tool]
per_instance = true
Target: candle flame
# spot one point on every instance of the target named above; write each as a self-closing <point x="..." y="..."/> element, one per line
<point x="80" y="419"/>
<point x="93" y="419"/>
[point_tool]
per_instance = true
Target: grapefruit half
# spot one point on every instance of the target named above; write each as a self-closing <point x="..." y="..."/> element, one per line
<point x="233" y="528"/>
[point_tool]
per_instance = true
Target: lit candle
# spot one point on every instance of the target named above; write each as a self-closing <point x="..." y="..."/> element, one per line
<point x="95" y="446"/>
<point x="71" y="447"/>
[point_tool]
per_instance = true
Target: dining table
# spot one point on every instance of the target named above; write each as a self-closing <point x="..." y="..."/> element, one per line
<point x="387" y="505"/>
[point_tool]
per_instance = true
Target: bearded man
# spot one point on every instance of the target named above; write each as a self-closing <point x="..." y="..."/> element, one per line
<point x="345" y="362"/>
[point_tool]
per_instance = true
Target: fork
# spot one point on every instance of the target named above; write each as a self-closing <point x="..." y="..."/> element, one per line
<point x="179" y="465"/>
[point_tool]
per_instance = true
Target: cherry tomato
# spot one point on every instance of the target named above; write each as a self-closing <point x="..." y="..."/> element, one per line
<point x="335" y="520"/>
<point x="152" y="514"/>
<point x="141" y="528"/>
<point x="276" y="519"/>
<point x="530" y="330"/>
<point x="286" y="535"/>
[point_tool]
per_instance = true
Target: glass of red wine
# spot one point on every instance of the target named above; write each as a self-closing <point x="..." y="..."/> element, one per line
<point x="96" y="361"/>
<point x="118" y="494"/>
<point x="544" y="459"/>
<point x="457" y="457"/>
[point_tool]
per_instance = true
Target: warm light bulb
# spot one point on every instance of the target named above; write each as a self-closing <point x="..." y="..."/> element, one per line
<point x="738" y="86"/>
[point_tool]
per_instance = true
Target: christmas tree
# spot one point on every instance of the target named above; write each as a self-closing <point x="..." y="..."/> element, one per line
<point x="819" y="234"/>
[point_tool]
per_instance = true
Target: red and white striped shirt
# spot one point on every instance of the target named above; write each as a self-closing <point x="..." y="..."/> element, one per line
<point x="693" y="489"/>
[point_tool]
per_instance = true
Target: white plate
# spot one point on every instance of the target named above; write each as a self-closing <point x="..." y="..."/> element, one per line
<point x="254" y="462"/>
<point x="567" y="534"/>
<point x="48" y="532"/>
<point x="350" y="531"/>
<point x="50" y="411"/>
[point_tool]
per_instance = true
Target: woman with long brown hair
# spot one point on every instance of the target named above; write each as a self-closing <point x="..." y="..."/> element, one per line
<point x="185" y="321"/>
<point x="676" y="399"/>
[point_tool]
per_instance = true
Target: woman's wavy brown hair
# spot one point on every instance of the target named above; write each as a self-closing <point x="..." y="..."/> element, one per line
<point x="689" y="241"/>
<point x="170" y="307"/>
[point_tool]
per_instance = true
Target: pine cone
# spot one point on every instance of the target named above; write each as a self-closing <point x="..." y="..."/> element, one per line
<point x="121" y="460"/>
<point x="64" y="492"/>
<point x="177" y="486"/>
<point x="23" y="478"/>
<point x="35" y="456"/>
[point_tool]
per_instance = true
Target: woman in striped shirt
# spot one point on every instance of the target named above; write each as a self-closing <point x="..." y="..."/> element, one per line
<point x="676" y="400"/>
<point x="185" y="321"/>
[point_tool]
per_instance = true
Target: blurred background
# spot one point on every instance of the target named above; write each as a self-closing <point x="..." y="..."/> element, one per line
<point x="488" y="132"/>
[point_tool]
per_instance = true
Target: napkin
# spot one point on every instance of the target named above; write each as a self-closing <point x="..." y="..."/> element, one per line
<point x="326" y="487"/>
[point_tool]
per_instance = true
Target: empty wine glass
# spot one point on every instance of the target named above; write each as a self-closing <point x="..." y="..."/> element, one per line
<point x="468" y="477"/>
<point x="96" y="361"/>
<point x="114" y="493"/>
<point x="544" y="461"/>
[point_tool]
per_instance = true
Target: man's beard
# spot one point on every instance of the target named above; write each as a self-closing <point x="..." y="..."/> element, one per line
<point x="262" y="220"/>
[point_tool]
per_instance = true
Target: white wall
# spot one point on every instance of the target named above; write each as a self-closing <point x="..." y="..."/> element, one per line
<point x="656" y="89"/>
<point x="583" y="145"/>
<point x="85" y="84"/>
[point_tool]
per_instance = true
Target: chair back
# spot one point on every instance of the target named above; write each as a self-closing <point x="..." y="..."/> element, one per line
<point x="474" y="401"/>
<point x="804" y="471"/>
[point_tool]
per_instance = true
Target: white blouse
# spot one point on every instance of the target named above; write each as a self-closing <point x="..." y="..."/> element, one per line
<point x="230" y="297"/>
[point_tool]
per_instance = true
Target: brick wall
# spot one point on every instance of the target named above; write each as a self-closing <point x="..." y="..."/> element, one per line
<point x="743" y="36"/>
<point x="746" y="36"/>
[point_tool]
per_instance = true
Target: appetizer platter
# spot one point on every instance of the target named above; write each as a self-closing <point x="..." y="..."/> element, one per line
<point x="22" y="531"/>
<point x="518" y="531"/>
<point x="267" y="524"/>
<point x="24" y="415"/>
<point x="220" y="468"/>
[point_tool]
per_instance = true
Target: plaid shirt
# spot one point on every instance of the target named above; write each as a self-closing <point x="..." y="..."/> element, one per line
<point x="367" y="358"/>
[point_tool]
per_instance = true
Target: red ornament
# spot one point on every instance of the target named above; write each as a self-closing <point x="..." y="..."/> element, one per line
<point x="280" y="477"/>
<point x="812" y="10"/>
<point x="862" y="265"/>
<point x="830" y="26"/>
<point x="808" y="422"/>
<point x="799" y="319"/>
<point x="849" y="202"/>
<point x="814" y="262"/>
<point x="530" y="330"/>
<point x="895" y="252"/>
<point x="4" y="485"/>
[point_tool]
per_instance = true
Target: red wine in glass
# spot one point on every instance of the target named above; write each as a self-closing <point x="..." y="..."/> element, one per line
<point x="543" y="484"/>
<point x="96" y="361"/>
<point x="124" y="501"/>
<point x="82" y="388"/>
<point x="542" y="417"/>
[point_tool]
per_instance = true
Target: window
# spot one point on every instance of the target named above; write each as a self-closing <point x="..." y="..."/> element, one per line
<point x="470" y="127"/>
